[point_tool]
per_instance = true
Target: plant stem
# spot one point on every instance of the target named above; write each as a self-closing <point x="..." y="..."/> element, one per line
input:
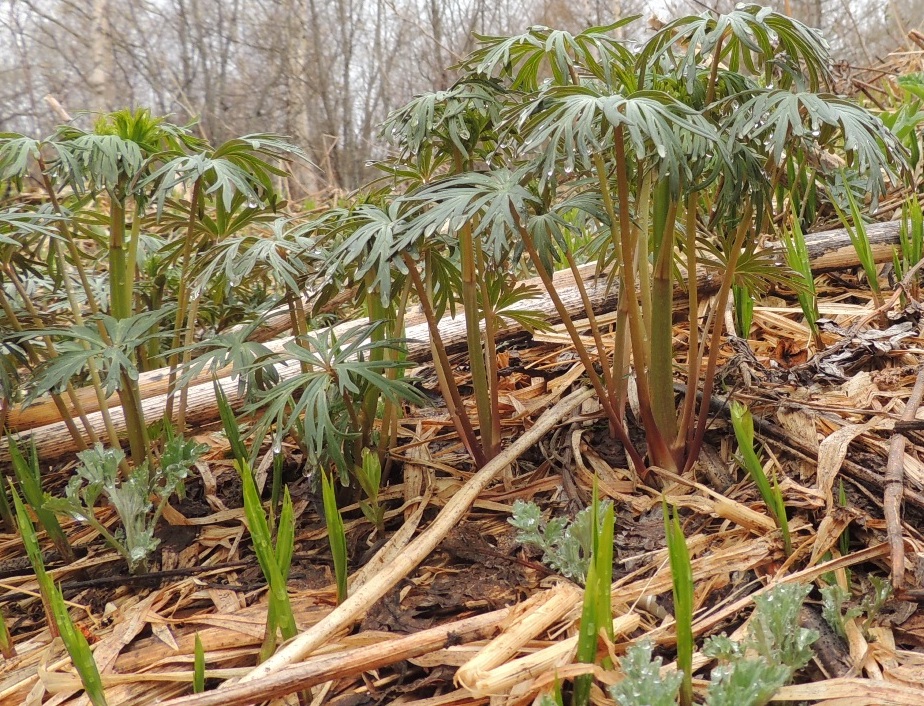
<point x="595" y="380"/>
<point x="715" y="342"/>
<point x="694" y="358"/>
<point x="36" y="360"/>
<point x="641" y="353"/>
<point x="182" y="296"/>
<point x="661" y="314"/>
<point x="618" y="379"/>
<point x="120" y="289"/>
<point x="476" y="353"/>
<point x="591" y="320"/>
<point x="444" y="369"/>
<point x="490" y="355"/>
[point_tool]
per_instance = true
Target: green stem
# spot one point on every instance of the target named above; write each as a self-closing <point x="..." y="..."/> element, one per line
<point x="583" y="355"/>
<point x="662" y="347"/>
<point x="444" y="369"/>
<point x="714" y="72"/>
<point x="476" y="353"/>
<point x="68" y="237"/>
<point x="375" y="312"/>
<point x="694" y="358"/>
<point x="715" y="342"/>
<point x="490" y="354"/>
<point x="120" y="289"/>
<point x="390" y="411"/>
<point x="182" y="295"/>
<point x="36" y="360"/>
<point x="658" y="450"/>
<point x="617" y="380"/>
<point x="591" y="320"/>
<point x="645" y="245"/>
<point x="188" y="340"/>
<point x="91" y="363"/>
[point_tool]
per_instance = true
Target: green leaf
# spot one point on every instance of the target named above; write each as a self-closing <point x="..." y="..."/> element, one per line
<point x="682" y="578"/>
<point x="198" y="666"/>
<point x="336" y="536"/>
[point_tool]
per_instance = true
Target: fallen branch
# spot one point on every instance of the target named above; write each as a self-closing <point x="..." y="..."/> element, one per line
<point x="895" y="486"/>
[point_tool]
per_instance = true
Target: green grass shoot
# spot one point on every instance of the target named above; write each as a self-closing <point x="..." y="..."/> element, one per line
<point x="7" y="648"/>
<point x="744" y="310"/>
<point x="198" y="667"/>
<point x="336" y="535"/>
<point x="275" y="563"/>
<point x="28" y="476"/>
<point x="743" y="424"/>
<point x="682" y="576"/>
<point x="797" y="258"/>
<point x="369" y="476"/>
<point x="596" y="613"/>
<point x="56" y="611"/>
<point x="860" y="239"/>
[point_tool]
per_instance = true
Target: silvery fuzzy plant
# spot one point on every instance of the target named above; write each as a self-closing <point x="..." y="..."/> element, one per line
<point x="131" y="496"/>
<point x="566" y="545"/>
<point x="748" y="673"/>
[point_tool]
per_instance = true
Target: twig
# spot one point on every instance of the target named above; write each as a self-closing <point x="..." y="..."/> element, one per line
<point x="887" y="305"/>
<point x="57" y="108"/>
<point x="452" y="513"/>
<point x="895" y="486"/>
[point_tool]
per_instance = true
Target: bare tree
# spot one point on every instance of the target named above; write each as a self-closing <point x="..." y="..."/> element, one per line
<point x="324" y="72"/>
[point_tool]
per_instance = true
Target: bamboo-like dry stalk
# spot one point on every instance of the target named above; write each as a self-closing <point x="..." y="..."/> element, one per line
<point x="452" y="513"/>
<point x="348" y="663"/>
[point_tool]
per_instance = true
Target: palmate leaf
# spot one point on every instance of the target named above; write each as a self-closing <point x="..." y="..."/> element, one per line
<point x="118" y="152"/>
<point x="235" y="349"/>
<point x="78" y="344"/>
<point x="755" y="270"/>
<point x="526" y="57"/>
<point x="507" y="304"/>
<point x="17" y="154"/>
<point x="372" y="238"/>
<point x="15" y="223"/>
<point x="485" y="200"/>
<point x="577" y="122"/>
<point x="244" y="165"/>
<point x="451" y="120"/>
<point x="750" y="39"/>
<point x="322" y="403"/>
<point x="782" y="121"/>
<point x="279" y="254"/>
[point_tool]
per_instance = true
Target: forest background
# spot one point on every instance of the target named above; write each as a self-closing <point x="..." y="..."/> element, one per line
<point x="323" y="72"/>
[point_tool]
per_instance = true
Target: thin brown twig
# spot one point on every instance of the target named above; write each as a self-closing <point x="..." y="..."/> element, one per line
<point x="895" y="486"/>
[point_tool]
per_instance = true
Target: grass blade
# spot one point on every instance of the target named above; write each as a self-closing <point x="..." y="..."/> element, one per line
<point x="229" y="423"/>
<point x="7" y="648"/>
<point x="79" y="650"/>
<point x="280" y="610"/>
<point x="798" y="260"/>
<point x="198" y="667"/>
<point x="597" y="610"/>
<point x="28" y="476"/>
<point x="682" y="576"/>
<point x="744" y="310"/>
<point x="743" y="424"/>
<point x="335" y="535"/>
<point x="59" y="620"/>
